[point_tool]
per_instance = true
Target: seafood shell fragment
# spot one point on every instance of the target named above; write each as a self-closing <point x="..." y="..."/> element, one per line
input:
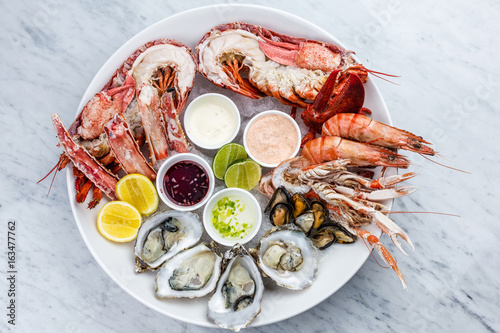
<point x="164" y="235"/>
<point x="288" y="257"/>
<point x="191" y="273"/>
<point x="237" y="298"/>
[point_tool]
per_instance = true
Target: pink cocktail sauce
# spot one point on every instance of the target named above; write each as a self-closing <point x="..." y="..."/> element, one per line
<point x="272" y="138"/>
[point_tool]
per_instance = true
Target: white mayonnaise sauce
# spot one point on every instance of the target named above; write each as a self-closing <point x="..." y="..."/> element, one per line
<point x="211" y="122"/>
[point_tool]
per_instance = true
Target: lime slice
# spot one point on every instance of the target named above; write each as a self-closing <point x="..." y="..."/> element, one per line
<point x="244" y="175"/>
<point x="227" y="155"/>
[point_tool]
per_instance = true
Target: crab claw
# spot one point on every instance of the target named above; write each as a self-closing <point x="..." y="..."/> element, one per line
<point x="383" y="252"/>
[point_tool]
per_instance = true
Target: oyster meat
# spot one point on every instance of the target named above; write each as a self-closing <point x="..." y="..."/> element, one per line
<point x="288" y="257"/>
<point x="164" y="235"/>
<point x="237" y="298"/>
<point x="191" y="273"/>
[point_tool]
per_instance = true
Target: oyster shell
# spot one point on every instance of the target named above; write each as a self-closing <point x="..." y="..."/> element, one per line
<point x="191" y="273"/>
<point x="164" y="235"/>
<point x="288" y="257"/>
<point x="236" y="301"/>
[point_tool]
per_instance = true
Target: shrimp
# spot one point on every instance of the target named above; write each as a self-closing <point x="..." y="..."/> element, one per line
<point x="361" y="128"/>
<point x="329" y="148"/>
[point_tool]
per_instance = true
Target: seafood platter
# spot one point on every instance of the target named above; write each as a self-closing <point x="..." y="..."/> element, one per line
<point x="310" y="198"/>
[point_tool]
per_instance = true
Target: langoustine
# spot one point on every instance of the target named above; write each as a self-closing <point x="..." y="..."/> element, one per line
<point x="352" y="200"/>
<point x="145" y="97"/>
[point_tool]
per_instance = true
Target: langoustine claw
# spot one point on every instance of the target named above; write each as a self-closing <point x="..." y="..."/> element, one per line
<point x="383" y="252"/>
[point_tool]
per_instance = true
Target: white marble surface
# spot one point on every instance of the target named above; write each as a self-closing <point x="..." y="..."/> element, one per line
<point x="448" y="93"/>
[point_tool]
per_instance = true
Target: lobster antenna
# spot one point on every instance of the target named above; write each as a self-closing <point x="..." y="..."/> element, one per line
<point x="52" y="182"/>
<point x="381" y="75"/>
<point x="51" y="170"/>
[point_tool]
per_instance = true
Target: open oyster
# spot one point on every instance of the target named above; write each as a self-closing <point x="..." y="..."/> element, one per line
<point x="191" y="273"/>
<point x="236" y="301"/>
<point x="288" y="257"/>
<point x="164" y="235"/>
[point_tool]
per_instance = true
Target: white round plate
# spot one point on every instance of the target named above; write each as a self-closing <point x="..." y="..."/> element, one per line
<point x="337" y="264"/>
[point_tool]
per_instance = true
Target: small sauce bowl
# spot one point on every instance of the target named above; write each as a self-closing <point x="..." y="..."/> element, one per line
<point x="269" y="134"/>
<point x="168" y="164"/>
<point x="212" y="120"/>
<point x="251" y="203"/>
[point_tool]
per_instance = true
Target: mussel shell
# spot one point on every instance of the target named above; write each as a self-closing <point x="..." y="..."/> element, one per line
<point x="280" y="196"/>
<point x="343" y="236"/>
<point x="305" y="221"/>
<point x="299" y="204"/>
<point x="281" y="214"/>
<point x="323" y="238"/>
<point x="320" y="213"/>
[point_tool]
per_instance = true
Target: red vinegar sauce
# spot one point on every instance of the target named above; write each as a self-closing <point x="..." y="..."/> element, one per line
<point x="186" y="183"/>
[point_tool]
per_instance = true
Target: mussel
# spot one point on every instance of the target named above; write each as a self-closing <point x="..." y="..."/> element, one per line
<point x="305" y="221"/>
<point x="320" y="213"/>
<point x="280" y="196"/>
<point x="299" y="204"/>
<point x="281" y="213"/>
<point x="343" y="236"/>
<point x="323" y="238"/>
<point x="331" y="233"/>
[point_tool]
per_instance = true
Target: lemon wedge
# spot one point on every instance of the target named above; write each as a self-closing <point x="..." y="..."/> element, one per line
<point x="119" y="221"/>
<point x="139" y="191"/>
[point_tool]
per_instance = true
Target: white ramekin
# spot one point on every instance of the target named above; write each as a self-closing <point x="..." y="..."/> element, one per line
<point x="207" y="216"/>
<point x="220" y="99"/>
<point x="178" y="158"/>
<point x="258" y="116"/>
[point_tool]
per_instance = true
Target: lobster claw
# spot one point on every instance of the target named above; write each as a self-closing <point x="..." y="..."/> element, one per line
<point x="342" y="92"/>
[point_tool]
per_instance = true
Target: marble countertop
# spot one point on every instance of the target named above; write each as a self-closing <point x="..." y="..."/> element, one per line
<point x="448" y="92"/>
